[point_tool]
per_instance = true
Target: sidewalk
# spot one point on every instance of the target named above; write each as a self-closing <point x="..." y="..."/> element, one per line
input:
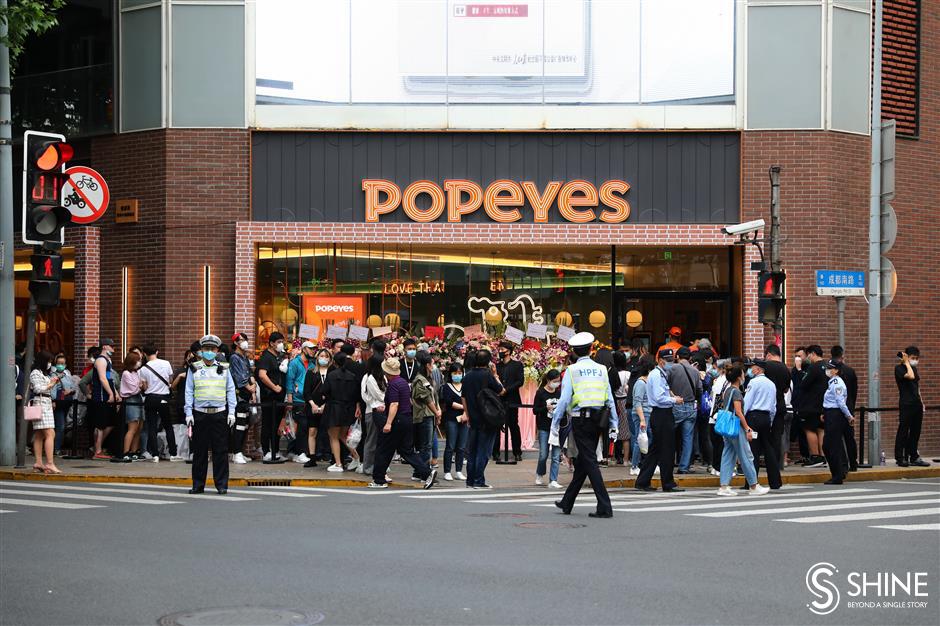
<point x="521" y="475"/>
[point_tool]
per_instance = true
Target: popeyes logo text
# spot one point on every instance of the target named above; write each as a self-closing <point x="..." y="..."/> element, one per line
<point x="578" y="201"/>
<point x="338" y="310"/>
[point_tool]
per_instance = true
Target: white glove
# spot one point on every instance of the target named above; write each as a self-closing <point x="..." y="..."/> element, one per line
<point x="553" y="439"/>
<point x="231" y="420"/>
<point x="189" y="420"/>
<point x="612" y="435"/>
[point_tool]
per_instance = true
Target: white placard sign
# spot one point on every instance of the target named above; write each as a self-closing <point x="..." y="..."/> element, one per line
<point x="381" y="330"/>
<point x="565" y="333"/>
<point x="359" y="333"/>
<point x="335" y="332"/>
<point x="538" y="331"/>
<point x="309" y="331"/>
<point x="514" y="335"/>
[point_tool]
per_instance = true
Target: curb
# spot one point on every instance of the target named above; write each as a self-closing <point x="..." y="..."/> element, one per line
<point x="794" y="479"/>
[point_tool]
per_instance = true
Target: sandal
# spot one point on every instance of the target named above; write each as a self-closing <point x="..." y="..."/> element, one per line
<point x="52" y="469"/>
<point x="39" y="469"/>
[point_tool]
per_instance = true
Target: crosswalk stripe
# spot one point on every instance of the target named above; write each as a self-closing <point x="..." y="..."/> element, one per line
<point x="6" y="511"/>
<point x="821" y="507"/>
<point x="910" y="527"/>
<point x="699" y="495"/>
<point x="488" y="493"/>
<point x="285" y="494"/>
<point x="45" y="504"/>
<point x="170" y="494"/>
<point x="768" y="500"/>
<point x="363" y="491"/>
<point x="864" y="516"/>
<point x="80" y="496"/>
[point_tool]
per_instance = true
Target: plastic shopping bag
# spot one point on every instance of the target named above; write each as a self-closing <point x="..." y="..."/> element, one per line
<point x="643" y="440"/>
<point x="354" y="436"/>
<point x="182" y="440"/>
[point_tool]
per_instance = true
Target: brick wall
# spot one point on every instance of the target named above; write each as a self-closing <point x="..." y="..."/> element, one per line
<point x="87" y="243"/>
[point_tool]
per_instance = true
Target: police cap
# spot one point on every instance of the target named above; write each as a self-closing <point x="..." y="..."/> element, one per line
<point x="833" y="365"/>
<point x="581" y="339"/>
<point x="210" y="340"/>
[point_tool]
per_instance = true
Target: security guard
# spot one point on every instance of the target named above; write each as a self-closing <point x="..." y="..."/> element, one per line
<point x="210" y="395"/>
<point x="836" y="418"/>
<point x="585" y="391"/>
<point x="661" y="421"/>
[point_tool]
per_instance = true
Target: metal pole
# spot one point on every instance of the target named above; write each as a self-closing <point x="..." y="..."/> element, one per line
<point x="776" y="264"/>
<point x="27" y="368"/>
<point x="874" y="244"/>
<point x="7" y="292"/>
<point x="840" y="311"/>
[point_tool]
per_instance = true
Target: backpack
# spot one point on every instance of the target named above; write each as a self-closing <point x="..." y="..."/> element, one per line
<point x="492" y="408"/>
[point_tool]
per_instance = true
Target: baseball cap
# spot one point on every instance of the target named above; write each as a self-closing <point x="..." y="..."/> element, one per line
<point x="666" y="354"/>
<point x="106" y="342"/>
<point x="308" y="344"/>
<point x="675" y="331"/>
<point x="237" y="336"/>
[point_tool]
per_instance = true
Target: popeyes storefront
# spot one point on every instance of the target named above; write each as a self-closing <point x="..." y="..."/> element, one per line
<point x="616" y="233"/>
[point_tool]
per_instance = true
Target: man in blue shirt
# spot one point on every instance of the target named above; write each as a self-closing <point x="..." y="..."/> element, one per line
<point x="662" y="451"/>
<point x="760" y="409"/>
<point x="836" y="417"/>
<point x="296" y="372"/>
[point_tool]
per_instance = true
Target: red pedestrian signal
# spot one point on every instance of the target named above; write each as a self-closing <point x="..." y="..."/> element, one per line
<point x="46" y="278"/>
<point x="771" y="297"/>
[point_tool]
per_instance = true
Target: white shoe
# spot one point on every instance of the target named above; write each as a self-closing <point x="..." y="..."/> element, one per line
<point x="335" y="468"/>
<point x="239" y="459"/>
<point x="554" y="485"/>
<point x="726" y="491"/>
<point x="147" y="456"/>
<point x="300" y="458"/>
<point x="175" y="458"/>
<point x="388" y="478"/>
<point x="634" y="471"/>
<point x="759" y="490"/>
<point x="266" y="457"/>
<point x="460" y="476"/>
<point x="448" y="476"/>
<point x="352" y="467"/>
<point x="378" y="486"/>
<point x="713" y="471"/>
<point x="656" y="471"/>
<point x="538" y="480"/>
<point x="155" y="459"/>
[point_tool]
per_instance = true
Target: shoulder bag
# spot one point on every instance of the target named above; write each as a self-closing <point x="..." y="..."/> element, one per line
<point x="727" y="423"/>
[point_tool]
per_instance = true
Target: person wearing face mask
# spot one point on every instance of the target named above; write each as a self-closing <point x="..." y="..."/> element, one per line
<point x="911" y="416"/>
<point x="796" y="426"/>
<point x="737" y="449"/>
<point x="296" y="374"/>
<point x="210" y="412"/>
<point x="131" y="388"/>
<point x="314" y="399"/>
<point x="760" y="410"/>
<point x="511" y="374"/>
<point x="240" y="368"/>
<point x="779" y="375"/>
<point x="62" y="394"/>
<point x="812" y="389"/>
<point x="836" y="416"/>
<point x="455" y="422"/>
<point x="850" y="378"/>
<point x="104" y="397"/>
<point x="268" y="373"/>
<point x="372" y="390"/>
<point x="543" y="406"/>
<point x="619" y="376"/>
<point x="409" y="366"/>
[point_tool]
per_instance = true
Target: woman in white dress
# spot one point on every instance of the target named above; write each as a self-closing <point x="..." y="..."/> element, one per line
<point x="41" y="381"/>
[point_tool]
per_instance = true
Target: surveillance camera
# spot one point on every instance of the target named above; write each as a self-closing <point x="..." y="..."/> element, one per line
<point x="743" y="229"/>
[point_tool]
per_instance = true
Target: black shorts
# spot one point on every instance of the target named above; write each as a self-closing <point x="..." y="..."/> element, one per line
<point x="811" y="421"/>
<point x="103" y="414"/>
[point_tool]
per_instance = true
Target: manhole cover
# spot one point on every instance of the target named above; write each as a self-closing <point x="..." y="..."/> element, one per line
<point x="549" y="525"/>
<point x="499" y="515"/>
<point x="242" y="616"/>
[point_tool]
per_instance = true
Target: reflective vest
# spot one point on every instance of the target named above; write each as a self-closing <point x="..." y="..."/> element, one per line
<point x="589" y="385"/>
<point x="209" y="385"/>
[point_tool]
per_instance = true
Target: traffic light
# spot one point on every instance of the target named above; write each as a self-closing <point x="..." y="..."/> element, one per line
<point x="44" y="210"/>
<point x="770" y="296"/>
<point x="46" y="278"/>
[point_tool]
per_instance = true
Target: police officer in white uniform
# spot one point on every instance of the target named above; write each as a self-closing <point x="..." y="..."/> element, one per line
<point x="836" y="419"/>
<point x="585" y="392"/>
<point x="210" y="412"/>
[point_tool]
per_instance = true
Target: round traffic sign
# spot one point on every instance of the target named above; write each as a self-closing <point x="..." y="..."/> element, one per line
<point x="85" y="194"/>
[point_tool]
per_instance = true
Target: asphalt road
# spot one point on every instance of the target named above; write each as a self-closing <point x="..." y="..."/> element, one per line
<point x="132" y="554"/>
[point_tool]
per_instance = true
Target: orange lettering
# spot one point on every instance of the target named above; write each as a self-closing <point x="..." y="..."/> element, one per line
<point x="621" y="205"/>
<point x="567" y="200"/>
<point x="493" y="199"/>
<point x="437" y="201"/>
<point x="541" y="203"/>
<point x="456" y="208"/>
<point x="375" y="208"/>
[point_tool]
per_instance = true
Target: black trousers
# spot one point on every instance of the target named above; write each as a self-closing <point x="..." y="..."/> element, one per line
<point x="512" y="424"/>
<point x="704" y="439"/>
<point x="210" y="431"/>
<point x="909" y="423"/>
<point x="242" y="413"/>
<point x="759" y="421"/>
<point x="851" y="447"/>
<point x="776" y="434"/>
<point x="586" y="435"/>
<point x="299" y="445"/>
<point x="157" y="415"/>
<point x="662" y="452"/>
<point x="270" y="418"/>
<point x="718" y="447"/>
<point x="833" y="443"/>
<point x="400" y="439"/>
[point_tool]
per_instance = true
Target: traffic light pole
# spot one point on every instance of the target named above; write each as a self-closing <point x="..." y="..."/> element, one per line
<point x="7" y="302"/>
<point x="776" y="265"/>
<point x="874" y="245"/>
<point x="27" y="389"/>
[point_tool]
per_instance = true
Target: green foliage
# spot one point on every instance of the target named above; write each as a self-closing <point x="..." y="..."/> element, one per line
<point x="25" y="18"/>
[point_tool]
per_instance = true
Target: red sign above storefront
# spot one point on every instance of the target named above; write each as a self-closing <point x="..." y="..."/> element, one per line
<point x="333" y="310"/>
<point x="577" y="201"/>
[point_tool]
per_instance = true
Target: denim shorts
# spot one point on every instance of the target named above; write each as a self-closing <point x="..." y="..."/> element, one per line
<point x="133" y="412"/>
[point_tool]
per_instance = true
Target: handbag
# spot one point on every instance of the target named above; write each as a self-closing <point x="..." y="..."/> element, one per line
<point x="32" y="412"/>
<point x="727" y="423"/>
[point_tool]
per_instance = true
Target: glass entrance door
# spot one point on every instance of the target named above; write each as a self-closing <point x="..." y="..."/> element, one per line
<point x="649" y="316"/>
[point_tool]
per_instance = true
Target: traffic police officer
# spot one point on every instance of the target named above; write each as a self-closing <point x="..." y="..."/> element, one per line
<point x="836" y="419"/>
<point x="210" y="397"/>
<point x="585" y="391"/>
<point x="662" y="452"/>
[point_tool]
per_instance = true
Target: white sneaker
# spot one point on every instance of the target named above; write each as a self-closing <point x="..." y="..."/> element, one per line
<point x="155" y="459"/>
<point x="378" y="486"/>
<point x="299" y="458"/>
<point x="175" y="458"/>
<point x="538" y="480"/>
<point x="388" y="478"/>
<point x="147" y="456"/>
<point x="758" y="490"/>
<point x="554" y="485"/>
<point x="335" y="468"/>
<point x="239" y="459"/>
<point x="266" y="457"/>
<point x="634" y="471"/>
<point x="726" y="490"/>
<point x="460" y="476"/>
<point x="352" y="467"/>
<point x="448" y="476"/>
<point x="713" y="471"/>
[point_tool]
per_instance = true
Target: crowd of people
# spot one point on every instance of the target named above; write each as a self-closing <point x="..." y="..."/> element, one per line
<point x="357" y="408"/>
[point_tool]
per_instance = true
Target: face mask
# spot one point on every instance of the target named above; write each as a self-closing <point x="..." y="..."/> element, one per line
<point x="279" y="347"/>
<point x="208" y="355"/>
<point x="628" y="354"/>
<point x="750" y="372"/>
<point x="60" y="367"/>
<point x="243" y="345"/>
<point x="797" y="361"/>
<point x="552" y="386"/>
<point x="91" y="359"/>
<point x="713" y="372"/>
<point x="49" y="367"/>
<point x="322" y="362"/>
<point x="457" y="378"/>
<point x="503" y="355"/>
<point x="411" y="353"/>
<point x="283" y="366"/>
<point x="913" y="362"/>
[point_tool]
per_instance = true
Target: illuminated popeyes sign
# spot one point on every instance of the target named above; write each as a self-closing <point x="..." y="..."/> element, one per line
<point x="577" y="201"/>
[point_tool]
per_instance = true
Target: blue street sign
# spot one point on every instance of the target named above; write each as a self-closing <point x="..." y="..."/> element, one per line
<point x="840" y="283"/>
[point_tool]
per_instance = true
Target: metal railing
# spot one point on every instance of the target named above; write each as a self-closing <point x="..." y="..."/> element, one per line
<point x="866" y="414"/>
